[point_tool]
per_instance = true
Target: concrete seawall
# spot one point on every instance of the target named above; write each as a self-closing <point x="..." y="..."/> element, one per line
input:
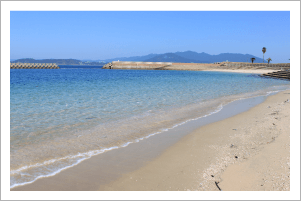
<point x="284" y="74"/>
<point x="194" y="66"/>
<point x="34" y="66"/>
<point x="136" y="65"/>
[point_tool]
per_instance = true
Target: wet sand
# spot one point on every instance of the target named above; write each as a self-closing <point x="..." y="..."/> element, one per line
<point x="192" y="162"/>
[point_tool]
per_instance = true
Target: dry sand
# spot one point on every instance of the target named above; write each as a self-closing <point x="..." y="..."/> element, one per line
<point x="222" y="69"/>
<point x="249" y="151"/>
<point x="255" y="71"/>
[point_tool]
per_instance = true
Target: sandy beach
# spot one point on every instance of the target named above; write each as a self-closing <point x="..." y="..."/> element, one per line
<point x="255" y="71"/>
<point x="219" y="69"/>
<point x="249" y="151"/>
<point x="150" y="100"/>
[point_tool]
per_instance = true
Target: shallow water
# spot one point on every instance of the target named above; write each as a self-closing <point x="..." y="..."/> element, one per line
<point x="60" y="117"/>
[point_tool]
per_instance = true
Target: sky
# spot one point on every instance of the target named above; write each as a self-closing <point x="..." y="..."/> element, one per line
<point x="99" y="35"/>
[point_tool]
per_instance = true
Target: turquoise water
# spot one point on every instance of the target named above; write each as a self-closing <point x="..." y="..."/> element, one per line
<point x="60" y="117"/>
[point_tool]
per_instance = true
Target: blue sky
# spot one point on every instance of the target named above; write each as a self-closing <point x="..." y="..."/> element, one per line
<point x="109" y="34"/>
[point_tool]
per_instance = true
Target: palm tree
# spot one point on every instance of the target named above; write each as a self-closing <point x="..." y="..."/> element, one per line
<point x="252" y="59"/>
<point x="264" y="50"/>
<point x="269" y="59"/>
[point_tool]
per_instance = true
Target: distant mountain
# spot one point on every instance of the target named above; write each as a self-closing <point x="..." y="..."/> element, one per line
<point x="177" y="57"/>
<point x="233" y="57"/>
<point x="58" y="61"/>
<point x="190" y="57"/>
<point x="194" y="55"/>
<point x="172" y="57"/>
<point x="135" y="58"/>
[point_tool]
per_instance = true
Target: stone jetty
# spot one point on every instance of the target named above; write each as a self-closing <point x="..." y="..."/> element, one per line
<point x="195" y="66"/>
<point x="34" y="66"/>
<point x="136" y="65"/>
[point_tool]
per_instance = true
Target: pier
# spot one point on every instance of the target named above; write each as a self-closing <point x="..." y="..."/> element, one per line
<point x="34" y="66"/>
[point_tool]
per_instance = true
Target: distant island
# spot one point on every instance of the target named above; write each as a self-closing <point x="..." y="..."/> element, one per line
<point x="177" y="57"/>
<point x="59" y="61"/>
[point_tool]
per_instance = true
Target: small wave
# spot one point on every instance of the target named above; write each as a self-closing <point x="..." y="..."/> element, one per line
<point x="83" y="156"/>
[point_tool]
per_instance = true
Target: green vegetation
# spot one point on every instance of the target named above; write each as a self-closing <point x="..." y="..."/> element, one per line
<point x="264" y="50"/>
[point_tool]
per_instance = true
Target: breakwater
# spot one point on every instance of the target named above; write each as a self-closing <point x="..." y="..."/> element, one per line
<point x="194" y="66"/>
<point x="136" y="65"/>
<point x="34" y="66"/>
<point x="284" y="74"/>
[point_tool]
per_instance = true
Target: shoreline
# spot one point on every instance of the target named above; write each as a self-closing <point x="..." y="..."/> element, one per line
<point x="238" y="155"/>
<point x="104" y="186"/>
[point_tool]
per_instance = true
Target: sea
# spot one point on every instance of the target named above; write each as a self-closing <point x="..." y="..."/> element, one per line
<point x="60" y="117"/>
